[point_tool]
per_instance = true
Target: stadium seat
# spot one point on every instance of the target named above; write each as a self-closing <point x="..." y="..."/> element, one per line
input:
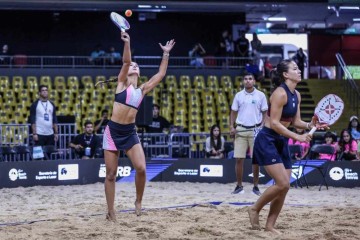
<point x="17" y="83"/>
<point x="212" y="83"/>
<point x="199" y="83"/>
<point x="185" y="83"/>
<point x="46" y="80"/>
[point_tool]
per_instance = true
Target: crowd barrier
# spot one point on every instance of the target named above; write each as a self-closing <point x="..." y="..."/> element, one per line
<point x="160" y="145"/>
<point x="71" y="172"/>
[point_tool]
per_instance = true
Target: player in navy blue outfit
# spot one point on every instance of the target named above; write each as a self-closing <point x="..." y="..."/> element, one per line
<point x="271" y="144"/>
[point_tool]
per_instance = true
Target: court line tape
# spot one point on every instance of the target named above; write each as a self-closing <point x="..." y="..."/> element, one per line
<point x="214" y="203"/>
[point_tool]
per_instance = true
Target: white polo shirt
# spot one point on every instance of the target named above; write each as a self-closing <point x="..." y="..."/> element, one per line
<point x="249" y="107"/>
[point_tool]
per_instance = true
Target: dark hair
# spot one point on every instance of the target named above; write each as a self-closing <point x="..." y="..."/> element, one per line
<point x="212" y="140"/>
<point x="246" y="73"/>
<point x="277" y="74"/>
<point x="156" y="105"/>
<point x="350" y="127"/>
<point x="42" y="86"/>
<point x="104" y="111"/>
<point x="87" y="122"/>
<point x="330" y="134"/>
<point x="342" y="143"/>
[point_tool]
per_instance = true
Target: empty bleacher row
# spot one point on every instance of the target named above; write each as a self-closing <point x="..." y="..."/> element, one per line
<point x="194" y="103"/>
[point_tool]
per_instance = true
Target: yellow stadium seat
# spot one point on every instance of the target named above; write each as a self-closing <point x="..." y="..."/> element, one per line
<point x="199" y="83"/>
<point x="185" y="83"/>
<point x="238" y="82"/>
<point x="226" y="83"/>
<point x="171" y="83"/>
<point x="86" y="79"/>
<point x="17" y="83"/>
<point x="4" y="84"/>
<point x="60" y="83"/>
<point x="46" y="80"/>
<point x="212" y="82"/>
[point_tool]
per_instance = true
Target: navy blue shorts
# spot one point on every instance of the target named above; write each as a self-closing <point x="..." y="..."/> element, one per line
<point x="119" y="137"/>
<point x="271" y="148"/>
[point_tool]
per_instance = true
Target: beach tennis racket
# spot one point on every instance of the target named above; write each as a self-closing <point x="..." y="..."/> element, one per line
<point x="328" y="110"/>
<point x="120" y="21"/>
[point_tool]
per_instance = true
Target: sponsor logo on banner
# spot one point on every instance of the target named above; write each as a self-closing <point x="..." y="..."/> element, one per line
<point x="121" y="172"/>
<point x="68" y="171"/>
<point x="49" y="175"/>
<point x="211" y="170"/>
<point x="186" y="172"/>
<point x="15" y="174"/>
<point x="337" y="173"/>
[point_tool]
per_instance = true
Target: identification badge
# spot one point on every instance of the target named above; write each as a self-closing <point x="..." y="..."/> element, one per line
<point x="46" y="117"/>
<point x="87" y="151"/>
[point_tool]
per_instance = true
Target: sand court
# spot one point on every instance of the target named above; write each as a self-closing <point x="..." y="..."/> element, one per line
<point x="173" y="210"/>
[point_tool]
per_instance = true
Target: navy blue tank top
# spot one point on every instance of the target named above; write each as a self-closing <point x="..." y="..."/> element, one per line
<point x="290" y="108"/>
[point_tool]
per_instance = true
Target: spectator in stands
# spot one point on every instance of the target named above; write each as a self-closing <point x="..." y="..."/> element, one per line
<point x="43" y="119"/>
<point x="196" y="55"/>
<point x="256" y="44"/>
<point x="102" y="123"/>
<point x="226" y="47"/>
<point x="253" y="68"/>
<point x="354" y="128"/>
<point x="214" y="145"/>
<point x="120" y="133"/>
<point x="267" y="67"/>
<point x="87" y="143"/>
<point x="330" y="139"/>
<point x="305" y="146"/>
<point x="242" y="46"/>
<point x="271" y="144"/>
<point x="113" y="56"/>
<point x="5" y="57"/>
<point x="300" y="60"/>
<point x="159" y="124"/>
<point x="348" y="147"/>
<point x="248" y="109"/>
<point x="97" y="55"/>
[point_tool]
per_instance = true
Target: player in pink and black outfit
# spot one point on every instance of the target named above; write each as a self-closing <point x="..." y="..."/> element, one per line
<point x="120" y="133"/>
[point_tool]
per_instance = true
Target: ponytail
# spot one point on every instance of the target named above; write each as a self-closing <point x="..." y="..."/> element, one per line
<point x="277" y="76"/>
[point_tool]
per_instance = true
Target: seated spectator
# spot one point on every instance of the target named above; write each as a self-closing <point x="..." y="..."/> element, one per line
<point x="354" y="128"/>
<point x="159" y="124"/>
<point x="330" y="139"/>
<point x="100" y="125"/>
<point x="5" y="57"/>
<point x="305" y="146"/>
<point x="196" y="56"/>
<point x="97" y="55"/>
<point x="253" y="68"/>
<point x="214" y="145"/>
<point x="114" y="57"/>
<point x="85" y="144"/>
<point x="348" y="147"/>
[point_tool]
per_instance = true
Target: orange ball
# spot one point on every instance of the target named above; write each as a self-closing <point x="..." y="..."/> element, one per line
<point x="128" y="13"/>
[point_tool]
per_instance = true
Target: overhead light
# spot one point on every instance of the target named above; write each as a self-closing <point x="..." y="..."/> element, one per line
<point x="144" y="6"/>
<point x="356" y="19"/>
<point x="277" y="19"/>
<point x="349" y="7"/>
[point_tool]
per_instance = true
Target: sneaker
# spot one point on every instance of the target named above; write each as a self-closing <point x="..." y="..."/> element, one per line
<point x="256" y="190"/>
<point x="238" y="189"/>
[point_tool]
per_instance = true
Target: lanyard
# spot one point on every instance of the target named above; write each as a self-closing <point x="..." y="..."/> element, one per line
<point x="45" y="107"/>
<point x="88" y="142"/>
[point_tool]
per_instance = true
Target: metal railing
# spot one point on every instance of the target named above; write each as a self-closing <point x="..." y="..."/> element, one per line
<point x="155" y="145"/>
<point x="24" y="61"/>
<point x="350" y="87"/>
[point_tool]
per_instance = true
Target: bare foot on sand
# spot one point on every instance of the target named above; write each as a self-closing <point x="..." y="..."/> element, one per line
<point x="111" y="216"/>
<point x="273" y="230"/>
<point x="137" y="208"/>
<point x="254" y="218"/>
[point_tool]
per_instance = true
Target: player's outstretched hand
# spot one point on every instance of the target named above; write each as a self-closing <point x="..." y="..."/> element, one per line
<point x="168" y="46"/>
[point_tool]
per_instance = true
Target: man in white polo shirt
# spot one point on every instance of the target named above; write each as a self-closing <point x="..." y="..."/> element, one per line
<point x="248" y="108"/>
<point x="43" y="119"/>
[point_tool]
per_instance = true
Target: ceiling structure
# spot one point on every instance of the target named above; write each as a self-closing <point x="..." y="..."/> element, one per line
<point x="306" y="14"/>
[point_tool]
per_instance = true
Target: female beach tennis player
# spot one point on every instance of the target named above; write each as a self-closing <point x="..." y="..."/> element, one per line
<point x="271" y="144"/>
<point x="120" y="133"/>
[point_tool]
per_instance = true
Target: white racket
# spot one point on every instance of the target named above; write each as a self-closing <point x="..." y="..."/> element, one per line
<point x="120" y="21"/>
<point x="328" y="110"/>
